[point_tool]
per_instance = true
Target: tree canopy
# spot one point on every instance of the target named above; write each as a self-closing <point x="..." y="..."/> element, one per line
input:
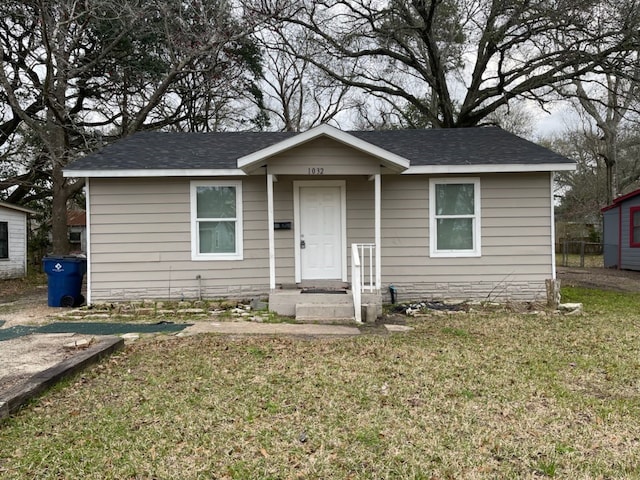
<point x="77" y="74"/>
<point x="455" y="62"/>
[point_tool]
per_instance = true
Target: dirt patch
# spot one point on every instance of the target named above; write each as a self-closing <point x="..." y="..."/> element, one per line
<point x="24" y="302"/>
<point x="601" y="278"/>
<point x="26" y="356"/>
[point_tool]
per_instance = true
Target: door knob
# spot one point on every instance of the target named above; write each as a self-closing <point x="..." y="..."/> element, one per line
<point x="302" y="244"/>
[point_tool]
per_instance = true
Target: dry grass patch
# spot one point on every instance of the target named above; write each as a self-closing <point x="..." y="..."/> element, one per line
<point x="464" y="396"/>
<point x="576" y="260"/>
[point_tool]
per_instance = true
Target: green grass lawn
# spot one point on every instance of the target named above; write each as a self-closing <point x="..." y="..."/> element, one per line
<point x="463" y="396"/>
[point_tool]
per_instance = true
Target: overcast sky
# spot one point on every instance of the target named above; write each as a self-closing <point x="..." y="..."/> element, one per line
<point x="562" y="117"/>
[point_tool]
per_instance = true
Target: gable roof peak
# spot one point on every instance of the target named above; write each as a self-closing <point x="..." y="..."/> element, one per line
<point x="389" y="159"/>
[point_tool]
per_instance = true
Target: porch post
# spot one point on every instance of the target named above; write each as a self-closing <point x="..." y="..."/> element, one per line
<point x="272" y="246"/>
<point x="378" y="202"/>
<point x="553" y="229"/>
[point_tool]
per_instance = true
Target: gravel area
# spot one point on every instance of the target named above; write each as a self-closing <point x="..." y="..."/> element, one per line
<point x="22" y="357"/>
<point x="602" y="278"/>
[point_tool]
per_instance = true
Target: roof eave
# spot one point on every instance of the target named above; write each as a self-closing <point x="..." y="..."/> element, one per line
<point x="17" y="208"/>
<point x="492" y="168"/>
<point x="160" y="172"/>
<point x="390" y="160"/>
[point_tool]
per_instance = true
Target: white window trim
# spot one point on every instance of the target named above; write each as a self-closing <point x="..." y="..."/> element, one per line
<point x="476" y="251"/>
<point x="195" y="250"/>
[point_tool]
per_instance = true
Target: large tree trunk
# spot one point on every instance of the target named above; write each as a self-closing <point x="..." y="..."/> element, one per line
<point x="60" y="239"/>
<point x="57" y="149"/>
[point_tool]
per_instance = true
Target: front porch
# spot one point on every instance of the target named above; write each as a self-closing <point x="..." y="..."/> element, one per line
<point x="323" y="200"/>
<point x="323" y="253"/>
<point x="325" y="307"/>
<point x="335" y="301"/>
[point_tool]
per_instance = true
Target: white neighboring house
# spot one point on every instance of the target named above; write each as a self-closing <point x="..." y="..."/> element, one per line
<point x="13" y="240"/>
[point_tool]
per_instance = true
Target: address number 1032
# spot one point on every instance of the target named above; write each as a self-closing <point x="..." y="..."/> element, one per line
<point x="315" y="171"/>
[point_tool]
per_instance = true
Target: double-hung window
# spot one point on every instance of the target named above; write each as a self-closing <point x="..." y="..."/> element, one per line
<point x="454" y="218"/>
<point x="4" y="240"/>
<point x="634" y="227"/>
<point x="216" y="220"/>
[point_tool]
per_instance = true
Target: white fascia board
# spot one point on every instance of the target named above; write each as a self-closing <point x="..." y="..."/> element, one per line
<point x="17" y="208"/>
<point x="506" y="168"/>
<point x="178" y="172"/>
<point x="391" y="160"/>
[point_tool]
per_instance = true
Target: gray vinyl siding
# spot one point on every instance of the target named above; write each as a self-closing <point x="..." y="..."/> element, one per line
<point x="629" y="256"/>
<point x="515" y="238"/>
<point x="611" y="236"/>
<point x="332" y="157"/>
<point x="140" y="239"/>
<point x="16" y="265"/>
<point x="360" y="220"/>
<point x="140" y="242"/>
<point x="284" y="239"/>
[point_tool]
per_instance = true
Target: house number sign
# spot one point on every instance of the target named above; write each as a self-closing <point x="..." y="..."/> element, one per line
<point x="316" y="171"/>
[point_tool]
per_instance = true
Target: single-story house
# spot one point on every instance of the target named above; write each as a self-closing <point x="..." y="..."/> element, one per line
<point x="13" y="240"/>
<point x="621" y="232"/>
<point x="437" y="213"/>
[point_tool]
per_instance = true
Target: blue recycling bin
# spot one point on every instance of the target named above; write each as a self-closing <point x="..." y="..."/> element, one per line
<point x="64" y="280"/>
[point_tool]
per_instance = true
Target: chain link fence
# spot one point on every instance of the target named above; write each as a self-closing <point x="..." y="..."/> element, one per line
<point x="578" y="253"/>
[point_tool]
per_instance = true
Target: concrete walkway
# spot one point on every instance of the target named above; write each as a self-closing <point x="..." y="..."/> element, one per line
<point x="253" y="328"/>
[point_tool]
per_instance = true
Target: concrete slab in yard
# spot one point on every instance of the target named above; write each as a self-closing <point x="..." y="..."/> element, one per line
<point x="250" y="328"/>
<point x="397" y="328"/>
<point x="13" y="398"/>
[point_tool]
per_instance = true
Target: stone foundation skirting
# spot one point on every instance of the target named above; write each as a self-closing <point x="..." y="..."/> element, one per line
<point x="479" y="291"/>
<point x="179" y="294"/>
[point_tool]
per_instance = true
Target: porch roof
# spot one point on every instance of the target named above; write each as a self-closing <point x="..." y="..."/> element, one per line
<point x="386" y="156"/>
<point x="229" y="153"/>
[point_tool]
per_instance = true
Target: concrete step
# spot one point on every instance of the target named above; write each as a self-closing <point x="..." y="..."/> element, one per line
<point x="284" y="302"/>
<point x="317" y="312"/>
<point x="324" y="298"/>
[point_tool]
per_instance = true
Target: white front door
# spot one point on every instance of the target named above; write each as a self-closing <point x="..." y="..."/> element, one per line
<point x="320" y="232"/>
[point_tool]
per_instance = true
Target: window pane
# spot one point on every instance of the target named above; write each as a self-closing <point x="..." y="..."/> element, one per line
<point x="455" y="234"/>
<point x="216" y="202"/>
<point x="217" y="237"/>
<point x="635" y="226"/>
<point x="454" y="199"/>
<point x="4" y="240"/>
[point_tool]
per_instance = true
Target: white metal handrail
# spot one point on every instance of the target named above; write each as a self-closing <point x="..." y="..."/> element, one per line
<point x="356" y="287"/>
<point x="363" y="274"/>
<point x="367" y="257"/>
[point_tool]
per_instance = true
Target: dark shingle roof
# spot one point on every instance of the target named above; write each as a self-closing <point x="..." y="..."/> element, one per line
<point x="461" y="146"/>
<point x="220" y="150"/>
<point x="177" y="150"/>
